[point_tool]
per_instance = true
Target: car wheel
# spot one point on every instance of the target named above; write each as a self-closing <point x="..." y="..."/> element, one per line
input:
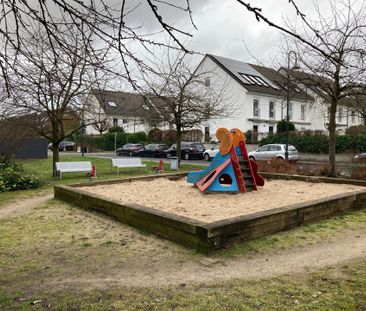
<point x="186" y="156"/>
<point x="280" y="159"/>
<point x="206" y="156"/>
<point x="252" y="158"/>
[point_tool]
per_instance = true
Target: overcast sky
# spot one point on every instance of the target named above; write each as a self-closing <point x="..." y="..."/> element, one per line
<point x="227" y="29"/>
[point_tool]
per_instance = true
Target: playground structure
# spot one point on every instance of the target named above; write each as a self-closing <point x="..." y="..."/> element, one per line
<point x="231" y="170"/>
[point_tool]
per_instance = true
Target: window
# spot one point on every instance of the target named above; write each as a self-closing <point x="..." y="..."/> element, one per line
<point x="303" y="112"/>
<point x="270" y="130"/>
<point x="112" y="104"/>
<point x="124" y="121"/>
<point x="290" y="110"/>
<point x="353" y="116"/>
<point x="271" y="110"/>
<point x="254" y="80"/>
<point x="255" y="107"/>
<point x="207" y="82"/>
<point x="115" y="122"/>
<point x="340" y="114"/>
<point x="264" y="148"/>
<point x="274" y="148"/>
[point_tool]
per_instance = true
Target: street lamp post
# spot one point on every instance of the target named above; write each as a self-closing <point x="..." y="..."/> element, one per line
<point x="288" y="96"/>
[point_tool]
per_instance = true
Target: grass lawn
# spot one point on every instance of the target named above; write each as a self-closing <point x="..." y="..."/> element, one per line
<point x="59" y="257"/>
<point x="43" y="169"/>
<point x="56" y="257"/>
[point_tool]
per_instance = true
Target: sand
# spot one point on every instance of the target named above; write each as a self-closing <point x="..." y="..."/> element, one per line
<point x="181" y="198"/>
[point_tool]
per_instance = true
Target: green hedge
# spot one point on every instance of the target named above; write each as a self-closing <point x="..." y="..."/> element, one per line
<point x="106" y="141"/>
<point x="319" y="143"/>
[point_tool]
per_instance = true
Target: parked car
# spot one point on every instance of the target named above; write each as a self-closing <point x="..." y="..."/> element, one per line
<point x="361" y="157"/>
<point x="153" y="150"/>
<point x="129" y="149"/>
<point x="210" y="153"/>
<point x="276" y="151"/>
<point x="190" y="150"/>
<point x="64" y="146"/>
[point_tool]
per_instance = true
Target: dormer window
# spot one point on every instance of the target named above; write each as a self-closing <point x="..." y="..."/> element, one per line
<point x="112" y="104"/>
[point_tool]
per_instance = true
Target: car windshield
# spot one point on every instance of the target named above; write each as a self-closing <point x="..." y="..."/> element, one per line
<point x="127" y="146"/>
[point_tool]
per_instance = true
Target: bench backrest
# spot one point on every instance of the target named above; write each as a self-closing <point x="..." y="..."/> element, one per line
<point x="66" y="166"/>
<point x="126" y="161"/>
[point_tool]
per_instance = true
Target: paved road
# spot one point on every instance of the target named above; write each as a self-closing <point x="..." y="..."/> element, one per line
<point x="111" y="155"/>
<point x="306" y="158"/>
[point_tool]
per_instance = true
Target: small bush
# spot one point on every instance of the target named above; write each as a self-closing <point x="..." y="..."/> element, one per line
<point x="12" y="178"/>
<point x="359" y="173"/>
<point x="281" y="126"/>
<point x="116" y="129"/>
<point x="155" y="135"/>
<point x="356" y="130"/>
<point x="283" y="167"/>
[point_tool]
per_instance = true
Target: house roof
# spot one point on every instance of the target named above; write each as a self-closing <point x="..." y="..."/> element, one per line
<point x="127" y="104"/>
<point x="314" y="82"/>
<point x="259" y="79"/>
<point x="119" y="103"/>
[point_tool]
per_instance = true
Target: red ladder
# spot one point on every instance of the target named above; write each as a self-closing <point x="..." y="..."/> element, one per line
<point x="249" y="178"/>
<point x="237" y="170"/>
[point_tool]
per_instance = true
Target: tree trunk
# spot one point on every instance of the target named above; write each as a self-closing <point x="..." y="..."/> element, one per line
<point x="179" y="145"/>
<point x="332" y="139"/>
<point x="55" y="158"/>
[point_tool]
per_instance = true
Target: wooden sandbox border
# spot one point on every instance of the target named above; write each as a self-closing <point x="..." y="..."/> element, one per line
<point x="207" y="237"/>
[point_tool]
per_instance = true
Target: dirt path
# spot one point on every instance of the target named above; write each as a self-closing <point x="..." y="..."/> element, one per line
<point x="145" y="272"/>
<point x="156" y="262"/>
<point x="24" y="206"/>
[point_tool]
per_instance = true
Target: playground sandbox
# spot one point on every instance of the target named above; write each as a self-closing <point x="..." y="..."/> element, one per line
<point x="170" y="207"/>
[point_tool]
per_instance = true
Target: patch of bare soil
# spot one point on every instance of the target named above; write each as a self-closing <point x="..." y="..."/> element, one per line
<point x="24" y="206"/>
<point x="172" y="270"/>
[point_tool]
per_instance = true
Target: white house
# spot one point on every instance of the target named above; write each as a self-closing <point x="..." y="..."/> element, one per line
<point x="131" y="111"/>
<point x="260" y="93"/>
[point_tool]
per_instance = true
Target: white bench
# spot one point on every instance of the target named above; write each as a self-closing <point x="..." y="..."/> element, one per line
<point x="69" y="167"/>
<point x="127" y="162"/>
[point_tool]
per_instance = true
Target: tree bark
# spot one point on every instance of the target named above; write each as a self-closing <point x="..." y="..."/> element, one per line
<point x="179" y="145"/>
<point x="332" y="138"/>
<point x="55" y="158"/>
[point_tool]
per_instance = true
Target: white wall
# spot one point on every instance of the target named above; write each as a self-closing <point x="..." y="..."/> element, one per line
<point x="243" y="117"/>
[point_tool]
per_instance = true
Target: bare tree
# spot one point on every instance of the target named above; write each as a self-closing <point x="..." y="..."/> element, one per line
<point x="115" y="26"/>
<point x="185" y="100"/>
<point x="341" y="73"/>
<point x="49" y="82"/>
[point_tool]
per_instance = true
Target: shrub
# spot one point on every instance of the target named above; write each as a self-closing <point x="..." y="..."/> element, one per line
<point x="116" y="129"/>
<point x="138" y="137"/>
<point x="169" y="137"/>
<point x="281" y="126"/>
<point x="155" y="135"/>
<point x="249" y="137"/>
<point x="12" y="178"/>
<point x="356" y="130"/>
